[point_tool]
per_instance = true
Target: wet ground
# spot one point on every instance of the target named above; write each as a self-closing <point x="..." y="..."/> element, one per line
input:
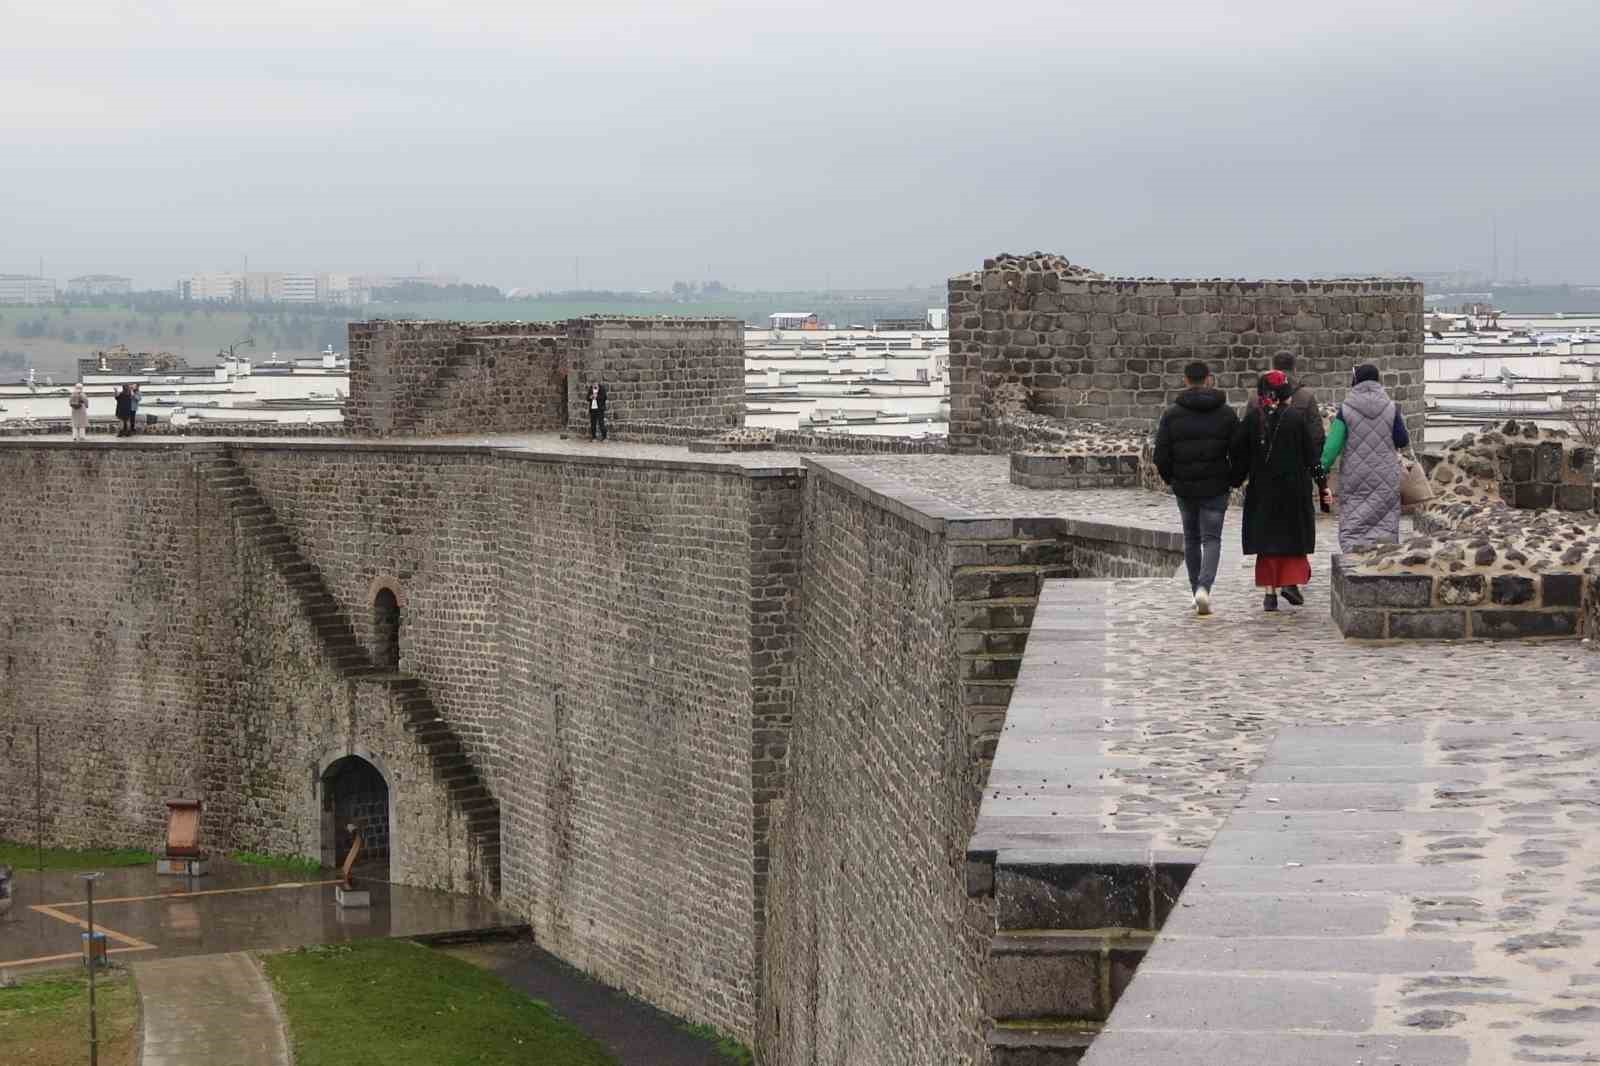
<point x="234" y="908"/>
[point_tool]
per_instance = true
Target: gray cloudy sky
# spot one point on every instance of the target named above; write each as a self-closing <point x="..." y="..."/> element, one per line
<point x="862" y="142"/>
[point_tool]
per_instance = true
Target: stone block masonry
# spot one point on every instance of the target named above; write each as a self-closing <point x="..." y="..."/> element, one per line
<point x="441" y="378"/>
<point x="1458" y="605"/>
<point x="681" y="371"/>
<point x="1113" y="349"/>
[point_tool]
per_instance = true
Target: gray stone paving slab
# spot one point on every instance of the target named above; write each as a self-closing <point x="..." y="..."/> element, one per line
<point x="1196" y="1002"/>
<point x="1282" y="915"/>
<point x="1336" y="951"/>
<point x="1484" y="936"/>
<point x="1259" y="1049"/>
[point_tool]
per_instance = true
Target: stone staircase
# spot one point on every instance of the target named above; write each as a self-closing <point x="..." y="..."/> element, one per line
<point x="451" y="764"/>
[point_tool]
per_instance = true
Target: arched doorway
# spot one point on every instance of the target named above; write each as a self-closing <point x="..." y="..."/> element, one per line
<point x="386" y="630"/>
<point x="355" y="793"/>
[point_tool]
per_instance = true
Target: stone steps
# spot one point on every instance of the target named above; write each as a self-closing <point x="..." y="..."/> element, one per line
<point x="343" y="651"/>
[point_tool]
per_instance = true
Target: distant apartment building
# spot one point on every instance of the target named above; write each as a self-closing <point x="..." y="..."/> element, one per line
<point x="794" y="320"/>
<point x="26" y="289"/>
<point x="209" y="288"/>
<point x="271" y="287"/>
<point x="99" y="285"/>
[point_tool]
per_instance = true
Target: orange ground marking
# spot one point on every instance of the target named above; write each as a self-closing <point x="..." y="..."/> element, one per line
<point x="68" y="955"/>
<point x="73" y="919"/>
<point x="184" y="894"/>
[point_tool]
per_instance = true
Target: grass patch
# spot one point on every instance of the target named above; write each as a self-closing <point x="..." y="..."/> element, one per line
<point x="291" y="863"/>
<point x="45" y="1022"/>
<point x="26" y="857"/>
<point x="395" y="1003"/>
<point x="727" y="1048"/>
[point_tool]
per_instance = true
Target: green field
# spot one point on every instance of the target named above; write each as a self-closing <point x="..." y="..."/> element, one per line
<point x="26" y="857"/>
<point x="396" y="1003"/>
<point x="52" y="338"/>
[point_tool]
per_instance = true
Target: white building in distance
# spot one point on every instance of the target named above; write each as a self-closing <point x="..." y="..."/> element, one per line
<point x="99" y="285"/>
<point x="26" y="289"/>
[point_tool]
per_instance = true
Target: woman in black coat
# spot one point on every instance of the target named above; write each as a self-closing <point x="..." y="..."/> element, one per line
<point x="1273" y="448"/>
<point x="125" y="410"/>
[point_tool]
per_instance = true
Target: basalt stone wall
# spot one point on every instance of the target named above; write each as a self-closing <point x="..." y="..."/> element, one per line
<point x="1113" y="349"/>
<point x="423" y="522"/>
<point x="647" y="680"/>
<point x="420" y="378"/>
<point x="102" y="605"/>
<point x="873" y="947"/>
<point x="679" y="371"/>
<point x="163" y="657"/>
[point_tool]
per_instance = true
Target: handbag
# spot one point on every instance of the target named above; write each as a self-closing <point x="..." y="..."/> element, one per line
<point x="1414" y="485"/>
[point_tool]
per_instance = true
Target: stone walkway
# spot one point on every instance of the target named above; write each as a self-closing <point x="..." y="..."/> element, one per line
<point x="209" y="1010"/>
<point x="1420" y="894"/>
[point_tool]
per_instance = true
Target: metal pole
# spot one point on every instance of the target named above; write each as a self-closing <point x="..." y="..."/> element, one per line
<point x="38" y="788"/>
<point x="94" y="1040"/>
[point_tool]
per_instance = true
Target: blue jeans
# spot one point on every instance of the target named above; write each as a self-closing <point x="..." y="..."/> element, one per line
<point x="1202" y="537"/>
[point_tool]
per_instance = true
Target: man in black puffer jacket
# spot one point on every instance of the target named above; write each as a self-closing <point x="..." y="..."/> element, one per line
<point x="1192" y="445"/>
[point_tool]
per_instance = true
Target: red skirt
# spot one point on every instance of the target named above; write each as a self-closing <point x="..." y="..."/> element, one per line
<point x="1276" y="571"/>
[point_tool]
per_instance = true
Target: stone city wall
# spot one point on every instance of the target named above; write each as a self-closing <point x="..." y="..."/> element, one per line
<point x="644" y="663"/>
<point x="873" y="948"/>
<point x="681" y="371"/>
<point x="163" y="657"/>
<point x="441" y="378"/>
<point x="1113" y="349"/>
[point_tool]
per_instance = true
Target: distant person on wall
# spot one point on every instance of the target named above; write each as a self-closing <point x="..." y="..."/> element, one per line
<point x="1192" y="449"/>
<point x="597" y="411"/>
<point x="1272" y="448"/>
<point x="124" y="396"/>
<point x="78" y="405"/>
<point x="1368" y="432"/>
<point x="1306" y="402"/>
<point x="133" y="410"/>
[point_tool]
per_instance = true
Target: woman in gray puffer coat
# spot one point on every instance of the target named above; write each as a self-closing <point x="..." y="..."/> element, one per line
<point x="1370" y="432"/>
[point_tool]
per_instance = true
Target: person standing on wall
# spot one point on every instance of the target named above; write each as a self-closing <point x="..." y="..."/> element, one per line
<point x="1193" y="443"/>
<point x="133" y="410"/>
<point x="1305" y="401"/>
<point x="124" y="396"/>
<point x="78" y="405"/>
<point x="1368" y="432"/>
<point x="1272" y="448"/>
<point x="597" y="411"/>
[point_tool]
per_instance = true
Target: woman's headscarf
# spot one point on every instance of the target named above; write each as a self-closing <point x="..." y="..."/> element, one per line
<point x="1273" y="389"/>
<point x="1365" y="372"/>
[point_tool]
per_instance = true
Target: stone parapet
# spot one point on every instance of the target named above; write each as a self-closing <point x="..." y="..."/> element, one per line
<point x="1113" y="349"/>
<point x="1458" y="605"/>
<point x="682" y="371"/>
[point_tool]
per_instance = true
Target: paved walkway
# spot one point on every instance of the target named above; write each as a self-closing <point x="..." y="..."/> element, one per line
<point x="1419" y="894"/>
<point x="209" y="1010"/>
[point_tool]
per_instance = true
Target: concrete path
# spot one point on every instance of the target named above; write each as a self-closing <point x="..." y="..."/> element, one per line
<point x="209" y="1010"/>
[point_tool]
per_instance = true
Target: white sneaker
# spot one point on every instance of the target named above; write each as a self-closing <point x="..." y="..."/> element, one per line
<point x="1202" y="600"/>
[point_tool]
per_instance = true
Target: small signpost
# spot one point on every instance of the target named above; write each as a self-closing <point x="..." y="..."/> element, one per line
<point x="182" y="855"/>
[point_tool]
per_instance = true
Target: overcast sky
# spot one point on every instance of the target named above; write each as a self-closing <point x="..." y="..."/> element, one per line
<point x="787" y="144"/>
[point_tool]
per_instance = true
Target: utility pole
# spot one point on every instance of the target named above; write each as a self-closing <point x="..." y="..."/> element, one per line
<point x="94" y="1039"/>
<point x="38" y="788"/>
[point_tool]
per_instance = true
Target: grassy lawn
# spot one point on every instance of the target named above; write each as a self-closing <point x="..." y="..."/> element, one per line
<point x="26" y="857"/>
<point x="45" y="1022"/>
<point x="289" y="863"/>
<point x="395" y="1003"/>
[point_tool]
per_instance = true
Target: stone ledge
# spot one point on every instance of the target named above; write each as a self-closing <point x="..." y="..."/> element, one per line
<point x="1459" y="606"/>
<point x="1038" y="470"/>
